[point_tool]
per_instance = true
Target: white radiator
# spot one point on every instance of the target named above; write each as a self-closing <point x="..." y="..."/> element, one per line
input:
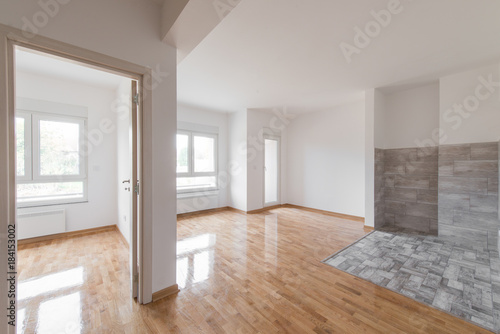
<point x="37" y="224"/>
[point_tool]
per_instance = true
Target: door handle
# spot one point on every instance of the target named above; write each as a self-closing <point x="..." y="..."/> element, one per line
<point x="126" y="181"/>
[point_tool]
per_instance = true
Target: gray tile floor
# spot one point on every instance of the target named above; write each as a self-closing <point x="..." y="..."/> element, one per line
<point x="462" y="280"/>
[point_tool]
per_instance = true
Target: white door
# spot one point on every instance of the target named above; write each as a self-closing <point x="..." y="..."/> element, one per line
<point x="136" y="233"/>
<point x="271" y="170"/>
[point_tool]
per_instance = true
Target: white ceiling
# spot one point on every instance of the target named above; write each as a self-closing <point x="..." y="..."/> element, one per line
<point x="62" y="69"/>
<point x="287" y="52"/>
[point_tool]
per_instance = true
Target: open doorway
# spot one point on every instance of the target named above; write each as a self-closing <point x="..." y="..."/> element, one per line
<point x="78" y="166"/>
<point x="271" y="170"/>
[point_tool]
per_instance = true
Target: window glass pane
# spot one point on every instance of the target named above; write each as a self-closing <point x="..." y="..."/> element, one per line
<point x="182" y="153"/>
<point x="20" y="146"/>
<point x="196" y="183"/>
<point x="49" y="191"/>
<point x="59" y="148"/>
<point x="271" y="171"/>
<point x="204" y="154"/>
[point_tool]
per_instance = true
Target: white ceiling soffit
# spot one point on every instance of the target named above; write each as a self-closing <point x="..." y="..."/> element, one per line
<point x="36" y="63"/>
<point x="197" y="20"/>
<point x="314" y="54"/>
<point x="170" y="12"/>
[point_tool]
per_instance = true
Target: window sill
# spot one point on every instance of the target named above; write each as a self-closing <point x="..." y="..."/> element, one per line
<point x="199" y="193"/>
<point x="21" y="205"/>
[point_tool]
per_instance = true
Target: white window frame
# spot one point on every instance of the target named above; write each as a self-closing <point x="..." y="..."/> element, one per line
<point x="32" y="156"/>
<point x="27" y="146"/>
<point x="189" y="153"/>
<point x="278" y="200"/>
<point x="191" y="161"/>
<point x="37" y="119"/>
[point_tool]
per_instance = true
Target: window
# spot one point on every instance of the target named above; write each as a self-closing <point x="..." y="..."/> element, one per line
<point x="51" y="166"/>
<point x="196" y="161"/>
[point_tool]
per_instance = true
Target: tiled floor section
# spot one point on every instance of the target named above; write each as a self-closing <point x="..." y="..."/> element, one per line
<point x="436" y="271"/>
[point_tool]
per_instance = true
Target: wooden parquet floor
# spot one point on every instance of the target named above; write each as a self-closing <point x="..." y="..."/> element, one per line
<point x="238" y="273"/>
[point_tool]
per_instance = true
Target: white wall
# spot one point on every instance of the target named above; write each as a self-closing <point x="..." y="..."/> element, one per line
<point x="129" y="30"/>
<point x="369" y="176"/>
<point x="411" y="117"/>
<point x="214" y="119"/>
<point x="326" y="160"/>
<point x="379" y="126"/>
<point x="100" y="210"/>
<point x="237" y="165"/>
<point x="467" y="90"/>
<point x="374" y="138"/>
<point x="123" y="107"/>
<point x="258" y="123"/>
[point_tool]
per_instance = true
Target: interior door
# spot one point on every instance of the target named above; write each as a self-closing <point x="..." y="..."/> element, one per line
<point x="271" y="170"/>
<point x="140" y="292"/>
<point x="134" y="138"/>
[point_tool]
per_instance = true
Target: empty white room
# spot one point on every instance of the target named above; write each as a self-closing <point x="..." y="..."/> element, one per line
<point x="250" y="166"/>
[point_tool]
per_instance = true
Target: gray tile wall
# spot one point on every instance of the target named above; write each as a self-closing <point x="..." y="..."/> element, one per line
<point x="468" y="192"/>
<point x="452" y="190"/>
<point x="411" y="188"/>
<point x="379" y="189"/>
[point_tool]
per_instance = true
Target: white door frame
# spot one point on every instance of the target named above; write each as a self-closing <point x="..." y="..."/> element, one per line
<point x="11" y="37"/>
<point x="278" y="201"/>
